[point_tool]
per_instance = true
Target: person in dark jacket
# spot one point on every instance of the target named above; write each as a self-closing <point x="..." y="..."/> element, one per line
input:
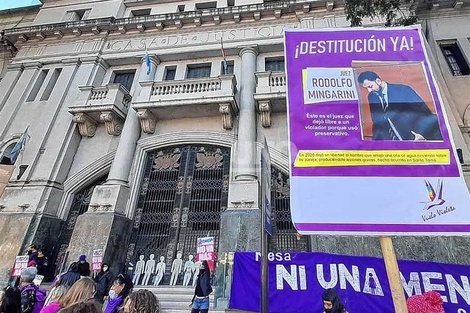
<point x="332" y="302"/>
<point x="42" y="263"/>
<point x="83" y="266"/>
<point x="200" y="303"/>
<point x="10" y="300"/>
<point x="103" y="280"/>
<point x="70" y="277"/>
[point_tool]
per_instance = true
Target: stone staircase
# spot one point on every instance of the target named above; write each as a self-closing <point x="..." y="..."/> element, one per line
<point x="176" y="299"/>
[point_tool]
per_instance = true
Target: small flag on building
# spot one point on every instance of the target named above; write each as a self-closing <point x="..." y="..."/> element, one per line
<point x="20" y="146"/>
<point x="147" y="61"/>
<point x="223" y="55"/>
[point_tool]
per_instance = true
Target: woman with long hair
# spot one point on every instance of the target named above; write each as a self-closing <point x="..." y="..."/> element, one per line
<point x="142" y="301"/>
<point x="200" y="303"/>
<point x="89" y="306"/>
<point x="83" y="290"/>
<point x="10" y="300"/>
<point x="332" y="302"/>
<point x="120" y="289"/>
<point x="52" y="304"/>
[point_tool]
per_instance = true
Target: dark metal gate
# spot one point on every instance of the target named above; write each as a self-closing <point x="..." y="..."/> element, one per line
<point x="285" y="237"/>
<point x="80" y="204"/>
<point x="183" y="192"/>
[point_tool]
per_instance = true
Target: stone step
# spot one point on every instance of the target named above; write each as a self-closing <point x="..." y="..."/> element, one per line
<point x="183" y="305"/>
<point x="163" y="310"/>
<point x="167" y="289"/>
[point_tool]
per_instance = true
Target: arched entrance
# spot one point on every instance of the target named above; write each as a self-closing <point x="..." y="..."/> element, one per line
<point x="80" y="204"/>
<point x="183" y="192"/>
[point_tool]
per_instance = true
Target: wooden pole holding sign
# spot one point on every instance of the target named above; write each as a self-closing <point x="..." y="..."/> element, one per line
<point x="393" y="274"/>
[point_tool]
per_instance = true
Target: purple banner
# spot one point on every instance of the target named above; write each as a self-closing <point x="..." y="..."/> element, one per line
<point x="297" y="281"/>
<point x="370" y="148"/>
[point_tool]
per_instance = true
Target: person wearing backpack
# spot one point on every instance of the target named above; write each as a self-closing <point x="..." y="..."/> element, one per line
<point x="32" y="297"/>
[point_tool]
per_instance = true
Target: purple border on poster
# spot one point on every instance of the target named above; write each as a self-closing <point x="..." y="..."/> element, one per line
<point x="341" y="49"/>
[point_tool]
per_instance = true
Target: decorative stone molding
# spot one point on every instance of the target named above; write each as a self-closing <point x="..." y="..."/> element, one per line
<point x="227" y="115"/>
<point x="236" y="18"/>
<point x="306" y="8"/>
<point x="58" y="34"/>
<point x="86" y="125"/>
<point x="278" y="13"/>
<point x="330" y="5"/>
<point x="458" y="5"/>
<point x="147" y="120"/>
<point x="178" y="23"/>
<point x="22" y="38"/>
<point x="141" y="27"/>
<point x="41" y="36"/>
<point x="112" y="122"/>
<point x="96" y="30"/>
<point x="77" y="32"/>
<point x="160" y="25"/>
<point x="217" y="20"/>
<point x="198" y="21"/>
<point x="257" y="16"/>
<point x="122" y="29"/>
<point x="264" y="109"/>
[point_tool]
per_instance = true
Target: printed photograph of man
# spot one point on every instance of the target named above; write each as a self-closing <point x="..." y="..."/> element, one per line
<point x="396" y="110"/>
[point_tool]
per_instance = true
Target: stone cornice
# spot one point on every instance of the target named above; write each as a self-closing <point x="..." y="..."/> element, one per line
<point x="270" y="10"/>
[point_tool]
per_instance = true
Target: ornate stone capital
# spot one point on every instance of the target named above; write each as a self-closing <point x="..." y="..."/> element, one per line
<point x="227" y="115"/>
<point x="148" y="121"/>
<point x="86" y="125"/>
<point x="112" y="122"/>
<point x="249" y="49"/>
<point x="264" y="109"/>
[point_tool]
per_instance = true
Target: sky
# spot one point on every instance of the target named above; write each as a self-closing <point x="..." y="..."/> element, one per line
<point x="13" y="4"/>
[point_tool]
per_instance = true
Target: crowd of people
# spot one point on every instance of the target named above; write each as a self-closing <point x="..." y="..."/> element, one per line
<point x="79" y="290"/>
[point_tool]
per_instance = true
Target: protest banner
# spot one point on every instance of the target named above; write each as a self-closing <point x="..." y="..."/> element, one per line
<point x="97" y="260"/>
<point x="21" y="262"/>
<point x="205" y="251"/>
<point x="361" y="282"/>
<point x="370" y="147"/>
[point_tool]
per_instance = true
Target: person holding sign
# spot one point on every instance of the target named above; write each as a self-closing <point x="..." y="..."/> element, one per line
<point x="397" y="111"/>
<point x="200" y="302"/>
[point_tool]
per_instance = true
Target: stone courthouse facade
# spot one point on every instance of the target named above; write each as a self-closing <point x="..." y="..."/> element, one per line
<point x="138" y="155"/>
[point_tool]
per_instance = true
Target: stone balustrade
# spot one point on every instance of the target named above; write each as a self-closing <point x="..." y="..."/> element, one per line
<point x="190" y="97"/>
<point x="102" y="104"/>
<point x="270" y="94"/>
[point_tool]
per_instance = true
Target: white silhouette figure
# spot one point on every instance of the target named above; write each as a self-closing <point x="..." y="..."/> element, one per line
<point x="434" y="196"/>
<point x="176" y="268"/>
<point x="160" y="271"/>
<point x="139" y="270"/>
<point x="197" y="266"/>
<point x="188" y="270"/>
<point x="149" y="268"/>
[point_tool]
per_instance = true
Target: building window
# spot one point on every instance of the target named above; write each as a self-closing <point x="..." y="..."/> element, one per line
<point x="77" y="15"/>
<point x="229" y="70"/>
<point x="143" y="12"/>
<point x="198" y="71"/>
<point x="5" y="156"/>
<point x="180" y="8"/>
<point x="170" y="72"/>
<point x="51" y="84"/>
<point x="274" y="64"/>
<point x="230" y="3"/>
<point x="455" y="59"/>
<point x="206" y="5"/>
<point x="37" y="85"/>
<point x="125" y="78"/>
